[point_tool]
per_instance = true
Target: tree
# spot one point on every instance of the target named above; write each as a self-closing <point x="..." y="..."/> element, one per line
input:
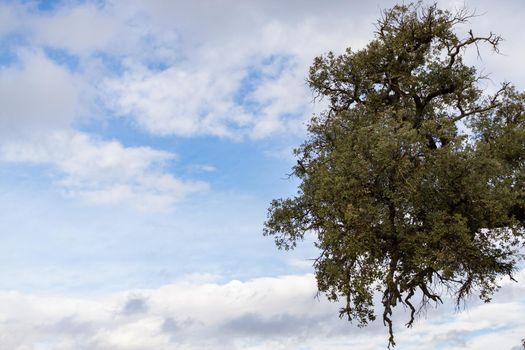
<point x="413" y="178"/>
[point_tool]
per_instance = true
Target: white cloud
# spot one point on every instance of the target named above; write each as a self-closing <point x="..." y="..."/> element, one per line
<point x="89" y="28"/>
<point x="9" y="16"/>
<point x="202" y="168"/>
<point x="36" y="93"/>
<point x="81" y="29"/>
<point x="180" y="102"/>
<point x="263" y="313"/>
<point x="104" y="171"/>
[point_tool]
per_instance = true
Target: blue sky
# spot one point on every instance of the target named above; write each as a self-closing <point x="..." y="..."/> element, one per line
<point x="140" y="145"/>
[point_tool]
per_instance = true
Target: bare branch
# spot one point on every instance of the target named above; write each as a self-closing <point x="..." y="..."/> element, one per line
<point x="492" y="39"/>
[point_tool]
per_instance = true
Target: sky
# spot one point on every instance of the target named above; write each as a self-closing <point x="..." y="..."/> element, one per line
<point x="140" y="145"/>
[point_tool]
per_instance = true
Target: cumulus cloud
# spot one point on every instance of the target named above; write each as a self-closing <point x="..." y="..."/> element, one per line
<point x="178" y="101"/>
<point x="104" y="172"/>
<point x="250" y="84"/>
<point x="263" y="313"/>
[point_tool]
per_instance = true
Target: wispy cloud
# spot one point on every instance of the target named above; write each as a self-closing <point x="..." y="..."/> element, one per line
<point x="104" y="172"/>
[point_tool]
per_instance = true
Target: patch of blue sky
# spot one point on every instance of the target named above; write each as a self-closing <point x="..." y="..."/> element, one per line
<point x="52" y="5"/>
<point x="157" y="66"/>
<point x="63" y="57"/>
<point x="112" y="63"/>
<point x="10" y="45"/>
<point x="244" y="165"/>
<point x="248" y="85"/>
<point x="48" y="5"/>
<point x="106" y="126"/>
<point x="26" y="176"/>
<point x="63" y="244"/>
<point x="54" y="243"/>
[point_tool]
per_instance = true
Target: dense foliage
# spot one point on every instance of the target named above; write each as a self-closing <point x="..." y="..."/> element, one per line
<point x="413" y="179"/>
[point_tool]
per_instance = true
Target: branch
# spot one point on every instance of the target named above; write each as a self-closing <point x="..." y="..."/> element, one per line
<point x="464" y="290"/>
<point x="412" y="308"/>
<point x="390" y="297"/>
<point x="443" y="91"/>
<point x="454" y="51"/>
<point x="430" y="295"/>
<point x="492" y="104"/>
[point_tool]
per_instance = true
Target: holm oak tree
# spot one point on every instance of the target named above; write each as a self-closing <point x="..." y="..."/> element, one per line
<point x="412" y="180"/>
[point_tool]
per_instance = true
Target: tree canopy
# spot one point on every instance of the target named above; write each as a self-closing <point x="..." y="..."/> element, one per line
<point x="413" y="179"/>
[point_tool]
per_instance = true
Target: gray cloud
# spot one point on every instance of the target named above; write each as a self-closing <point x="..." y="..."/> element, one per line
<point x="135" y="305"/>
<point x="70" y="326"/>
<point x="281" y="325"/>
<point x="452" y="339"/>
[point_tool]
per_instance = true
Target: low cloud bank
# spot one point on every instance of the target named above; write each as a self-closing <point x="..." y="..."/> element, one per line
<point x="263" y="313"/>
